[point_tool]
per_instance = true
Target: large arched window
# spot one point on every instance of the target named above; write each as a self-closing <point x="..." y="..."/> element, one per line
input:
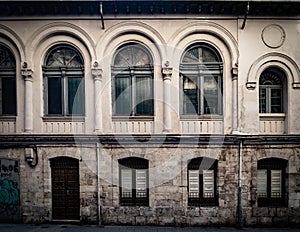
<point x="132" y="84"/>
<point x="201" y="80"/>
<point x="7" y="82"/>
<point x="271" y="91"/>
<point x="63" y="81"/>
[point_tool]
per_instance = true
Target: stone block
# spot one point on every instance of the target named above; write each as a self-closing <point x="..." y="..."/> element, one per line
<point x="281" y="212"/>
<point x="140" y="221"/>
<point x="280" y="221"/>
<point x="265" y="221"/>
<point x="260" y="212"/>
<point x="151" y="221"/>
<point x="166" y="221"/>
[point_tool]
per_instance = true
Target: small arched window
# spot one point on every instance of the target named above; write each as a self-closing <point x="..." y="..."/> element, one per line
<point x="272" y="189"/>
<point x="63" y="81"/>
<point x="132" y="73"/>
<point x="201" y="70"/>
<point x="202" y="182"/>
<point x="7" y="81"/>
<point x="134" y="181"/>
<point x="271" y="91"/>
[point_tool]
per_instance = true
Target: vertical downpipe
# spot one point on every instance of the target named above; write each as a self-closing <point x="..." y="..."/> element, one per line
<point x="240" y="212"/>
<point x="98" y="183"/>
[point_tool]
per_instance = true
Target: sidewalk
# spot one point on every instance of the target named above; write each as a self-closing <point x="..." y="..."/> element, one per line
<point x="94" y="228"/>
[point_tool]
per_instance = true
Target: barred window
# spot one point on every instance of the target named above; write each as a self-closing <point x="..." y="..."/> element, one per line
<point x="271" y="180"/>
<point x="7" y="82"/>
<point x="63" y="81"/>
<point x="134" y="181"/>
<point x="202" y="182"/>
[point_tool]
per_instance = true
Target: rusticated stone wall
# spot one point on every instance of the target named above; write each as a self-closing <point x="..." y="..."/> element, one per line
<point x="168" y="192"/>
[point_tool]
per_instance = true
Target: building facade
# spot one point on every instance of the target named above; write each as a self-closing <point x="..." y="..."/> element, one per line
<point x="150" y="112"/>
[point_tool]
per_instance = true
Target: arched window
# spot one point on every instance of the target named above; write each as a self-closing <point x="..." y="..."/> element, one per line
<point x="63" y="81"/>
<point x="134" y="181"/>
<point x="132" y="84"/>
<point x="7" y="81"/>
<point x="272" y="189"/>
<point x="201" y="80"/>
<point x="202" y="182"/>
<point x="271" y="91"/>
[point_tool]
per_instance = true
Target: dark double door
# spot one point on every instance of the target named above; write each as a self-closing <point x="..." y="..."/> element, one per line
<point x="65" y="188"/>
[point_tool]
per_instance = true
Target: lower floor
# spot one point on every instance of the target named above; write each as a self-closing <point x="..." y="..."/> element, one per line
<point x="151" y="180"/>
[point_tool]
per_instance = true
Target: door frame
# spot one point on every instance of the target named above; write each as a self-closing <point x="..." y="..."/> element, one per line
<point x="62" y="162"/>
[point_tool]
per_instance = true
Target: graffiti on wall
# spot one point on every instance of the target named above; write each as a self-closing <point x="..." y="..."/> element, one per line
<point x="9" y="190"/>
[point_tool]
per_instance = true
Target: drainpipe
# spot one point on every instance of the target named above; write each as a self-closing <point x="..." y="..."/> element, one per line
<point x="98" y="183"/>
<point x="240" y="212"/>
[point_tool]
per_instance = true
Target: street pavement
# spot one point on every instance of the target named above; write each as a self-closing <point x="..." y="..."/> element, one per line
<point x="94" y="228"/>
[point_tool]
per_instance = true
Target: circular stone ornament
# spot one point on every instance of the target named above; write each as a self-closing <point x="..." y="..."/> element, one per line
<point x="273" y="36"/>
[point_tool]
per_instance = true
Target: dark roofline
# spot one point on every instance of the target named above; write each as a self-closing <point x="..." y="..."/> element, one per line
<point x="145" y="7"/>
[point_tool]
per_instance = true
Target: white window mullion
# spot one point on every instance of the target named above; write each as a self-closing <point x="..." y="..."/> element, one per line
<point x="208" y="184"/>
<point x="194" y="183"/>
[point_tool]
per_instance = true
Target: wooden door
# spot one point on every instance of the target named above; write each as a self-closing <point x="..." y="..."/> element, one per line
<point x="65" y="188"/>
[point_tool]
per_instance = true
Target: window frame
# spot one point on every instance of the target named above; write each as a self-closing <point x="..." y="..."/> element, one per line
<point x="8" y="73"/>
<point x="132" y="72"/>
<point x="276" y="73"/>
<point x="269" y="165"/>
<point x="64" y="73"/>
<point x="134" y="164"/>
<point x="200" y="71"/>
<point x="197" y="164"/>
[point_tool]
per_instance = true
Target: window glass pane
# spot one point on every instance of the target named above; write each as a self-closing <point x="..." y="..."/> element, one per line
<point x="200" y="54"/>
<point x="208" y="184"/>
<point x="141" y="183"/>
<point x="262" y="183"/>
<point x="190" y="101"/>
<point x="8" y="96"/>
<point x="144" y="99"/>
<point x="122" y="101"/>
<point x="54" y="96"/>
<point x="126" y="183"/>
<point x="194" y="183"/>
<point x="262" y="100"/>
<point x="64" y="56"/>
<point x="210" y="92"/>
<point x="75" y="96"/>
<point x="275" y="183"/>
<point x="276" y="101"/>
<point x="132" y="55"/>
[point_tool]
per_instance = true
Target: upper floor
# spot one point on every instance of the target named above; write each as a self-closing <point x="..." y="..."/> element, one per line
<point x="220" y="73"/>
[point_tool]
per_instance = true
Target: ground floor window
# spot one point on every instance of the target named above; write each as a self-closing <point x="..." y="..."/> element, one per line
<point x="202" y="182"/>
<point x="134" y="179"/>
<point x="271" y="182"/>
